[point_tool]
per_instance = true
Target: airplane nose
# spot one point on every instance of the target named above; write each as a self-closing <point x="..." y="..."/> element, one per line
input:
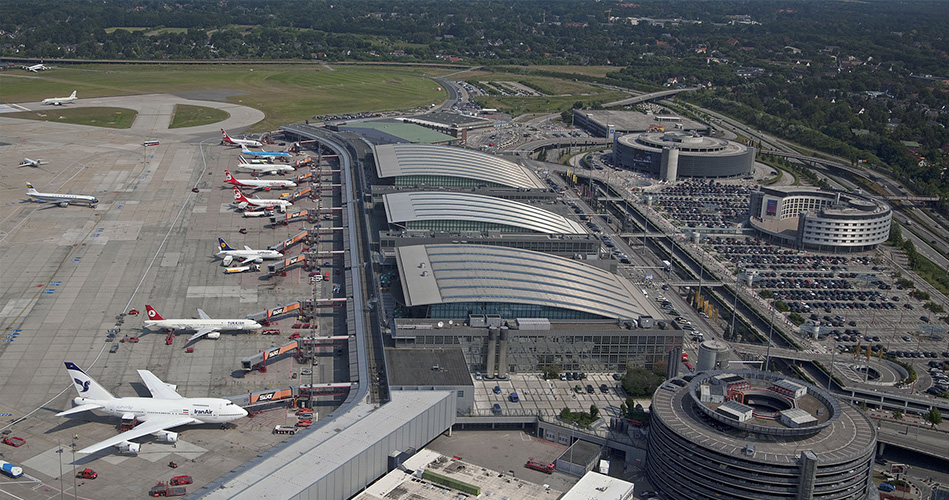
<point x="243" y="412"/>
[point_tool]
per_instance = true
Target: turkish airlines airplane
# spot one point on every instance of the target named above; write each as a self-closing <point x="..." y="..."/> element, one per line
<point x="164" y="410"/>
<point x="258" y="183"/>
<point x="257" y="202"/>
<point x="240" y="142"/>
<point x="203" y="326"/>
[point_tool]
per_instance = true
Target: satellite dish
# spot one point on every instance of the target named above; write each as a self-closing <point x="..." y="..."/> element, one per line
<point x="451" y="322"/>
<point x="440" y="324"/>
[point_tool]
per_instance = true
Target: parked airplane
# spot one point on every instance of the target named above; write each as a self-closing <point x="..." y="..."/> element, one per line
<point x="36" y="68"/>
<point x="263" y="169"/>
<point x="246" y="151"/>
<point x="31" y="163"/>
<point x="243" y="202"/>
<point x="265" y="159"/>
<point x="164" y="410"/>
<point x="239" y="142"/>
<point x="203" y="326"/>
<point x="58" y="101"/>
<point x="59" y="199"/>
<point x="258" y="183"/>
<point x="246" y="255"/>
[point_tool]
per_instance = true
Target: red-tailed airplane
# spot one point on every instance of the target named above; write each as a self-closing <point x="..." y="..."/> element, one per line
<point x="240" y="142"/>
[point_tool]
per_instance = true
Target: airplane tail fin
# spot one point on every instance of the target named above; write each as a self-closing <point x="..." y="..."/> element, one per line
<point x="152" y="313"/>
<point x="73" y="95"/>
<point x="30" y="188"/>
<point x="85" y="385"/>
<point x="223" y="244"/>
<point x="228" y="178"/>
<point x="239" y="196"/>
<point x="226" y="137"/>
<point x="241" y="159"/>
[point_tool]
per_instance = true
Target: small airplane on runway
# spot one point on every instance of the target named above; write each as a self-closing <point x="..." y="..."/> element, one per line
<point x="258" y="183"/>
<point x="32" y="163"/>
<point x="36" y="68"/>
<point x="239" y="142"/>
<point x="59" y="199"/>
<point x="59" y="101"/>
<point x="164" y="410"/>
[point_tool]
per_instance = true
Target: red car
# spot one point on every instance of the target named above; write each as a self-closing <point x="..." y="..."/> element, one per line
<point x="87" y="474"/>
<point x="133" y="312"/>
<point x="179" y="480"/>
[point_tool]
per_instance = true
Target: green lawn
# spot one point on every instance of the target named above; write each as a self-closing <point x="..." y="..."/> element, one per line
<point x="285" y="93"/>
<point x="97" y="116"/>
<point x="186" y="115"/>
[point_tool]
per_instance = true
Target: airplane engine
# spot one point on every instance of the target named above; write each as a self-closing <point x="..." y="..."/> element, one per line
<point x="258" y="260"/>
<point x="63" y="204"/>
<point x="227" y="260"/>
<point x="214" y="335"/>
<point x="167" y="436"/>
<point x="283" y="209"/>
<point x="127" y="447"/>
<point x="242" y="205"/>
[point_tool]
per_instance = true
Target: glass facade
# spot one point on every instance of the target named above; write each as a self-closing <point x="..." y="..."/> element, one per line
<point x="461" y="310"/>
<point x="443" y="181"/>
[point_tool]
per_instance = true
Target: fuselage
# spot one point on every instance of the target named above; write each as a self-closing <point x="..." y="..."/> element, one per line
<point x="205" y="410"/>
<point x="203" y="324"/>
<point x="263" y="183"/>
<point x="62" y="198"/>
<point x="265" y="167"/>
<point x="251" y="254"/>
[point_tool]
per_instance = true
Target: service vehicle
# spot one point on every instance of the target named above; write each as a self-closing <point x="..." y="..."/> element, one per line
<point x="284" y="429"/>
<point x="546" y="468"/>
<point x="11" y="470"/>
<point x="87" y="474"/>
<point x="167" y="490"/>
<point x="179" y="480"/>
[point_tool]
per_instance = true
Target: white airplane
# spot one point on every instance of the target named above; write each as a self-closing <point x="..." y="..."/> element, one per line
<point x="255" y="160"/>
<point x="31" y="163"/>
<point x="263" y="169"/>
<point x="246" y="151"/>
<point x="258" y="183"/>
<point x="239" y="142"/>
<point x="244" y="202"/>
<point x="36" y="68"/>
<point x="203" y="326"/>
<point x="58" y="101"/>
<point x="246" y="255"/>
<point x="59" y="199"/>
<point x="164" y="410"/>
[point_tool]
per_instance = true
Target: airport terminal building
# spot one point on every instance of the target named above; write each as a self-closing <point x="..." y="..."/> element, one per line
<point x="674" y="154"/>
<point x="820" y="219"/>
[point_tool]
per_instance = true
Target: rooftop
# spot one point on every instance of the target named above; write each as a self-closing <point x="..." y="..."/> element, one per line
<point x="596" y="486"/>
<point x="446" y="205"/>
<point x="434" y="274"/>
<point x="636" y="121"/>
<point x="395" y="160"/>
<point x="450" y="120"/>
<point x="390" y="131"/>
<point x="427" y="367"/>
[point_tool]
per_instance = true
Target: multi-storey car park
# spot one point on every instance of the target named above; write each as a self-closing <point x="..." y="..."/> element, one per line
<point x="748" y="434"/>
<point x="675" y="154"/>
<point x="820" y="219"/>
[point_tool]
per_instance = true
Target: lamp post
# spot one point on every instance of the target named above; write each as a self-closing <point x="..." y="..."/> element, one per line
<point x="767" y="358"/>
<point x="60" y="453"/>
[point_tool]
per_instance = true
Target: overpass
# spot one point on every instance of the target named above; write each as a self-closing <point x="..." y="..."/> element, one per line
<point x="654" y="96"/>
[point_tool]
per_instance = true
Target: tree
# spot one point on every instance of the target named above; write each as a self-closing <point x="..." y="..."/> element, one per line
<point x="934" y="417"/>
<point x="594" y="411"/>
<point x="897" y="415"/>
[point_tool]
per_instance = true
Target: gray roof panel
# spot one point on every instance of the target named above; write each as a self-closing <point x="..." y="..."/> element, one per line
<point x="421" y="206"/>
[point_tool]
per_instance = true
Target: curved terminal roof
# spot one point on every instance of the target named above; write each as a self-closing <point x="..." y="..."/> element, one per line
<point x="446" y="205"/>
<point x="436" y="274"/>
<point x="396" y="160"/>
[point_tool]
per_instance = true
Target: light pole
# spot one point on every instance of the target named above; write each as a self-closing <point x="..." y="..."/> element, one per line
<point x="767" y="358"/>
<point x="60" y="453"/>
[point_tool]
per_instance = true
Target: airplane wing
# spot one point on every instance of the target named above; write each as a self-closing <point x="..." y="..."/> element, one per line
<point x="142" y="429"/>
<point x="248" y="259"/>
<point x="203" y="315"/>
<point x="78" y="409"/>
<point x="201" y="333"/>
<point x="159" y="389"/>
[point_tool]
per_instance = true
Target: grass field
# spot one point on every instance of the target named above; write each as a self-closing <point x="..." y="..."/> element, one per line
<point x="595" y="71"/>
<point x="186" y="115"/>
<point x="96" y="116"/>
<point x="285" y="93"/>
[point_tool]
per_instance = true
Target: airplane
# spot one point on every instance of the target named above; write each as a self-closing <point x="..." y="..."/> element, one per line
<point x="36" y="68"/>
<point x="246" y="151"/>
<point x="246" y="255"/>
<point x="255" y="160"/>
<point x="257" y="202"/>
<point x="166" y="409"/>
<point x="240" y="142"/>
<point x="203" y="326"/>
<point x="264" y="169"/>
<point x="258" y="183"/>
<point x="59" y="199"/>
<point x="58" y="101"/>
<point x="31" y="163"/>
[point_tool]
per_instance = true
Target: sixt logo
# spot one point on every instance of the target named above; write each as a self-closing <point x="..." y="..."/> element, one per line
<point x="203" y="412"/>
<point x="265" y="397"/>
<point x="80" y="383"/>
